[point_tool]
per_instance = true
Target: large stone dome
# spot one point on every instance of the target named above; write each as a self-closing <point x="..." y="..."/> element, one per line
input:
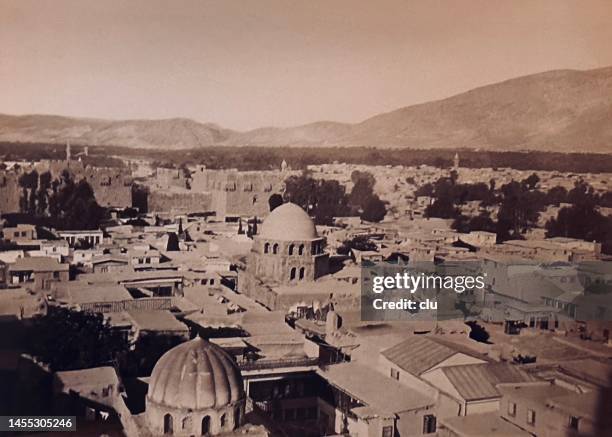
<point x="195" y="375"/>
<point x="288" y="222"/>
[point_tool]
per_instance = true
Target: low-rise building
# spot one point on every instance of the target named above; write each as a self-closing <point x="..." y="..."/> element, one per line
<point x="90" y="238"/>
<point x="21" y="232"/>
<point x="38" y="272"/>
<point x="362" y="402"/>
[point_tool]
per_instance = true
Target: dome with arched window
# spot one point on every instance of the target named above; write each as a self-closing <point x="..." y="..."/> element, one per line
<point x="195" y="389"/>
<point x="288" y="250"/>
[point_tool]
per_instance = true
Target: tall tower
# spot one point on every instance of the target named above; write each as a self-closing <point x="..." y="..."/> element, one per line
<point x="456" y="161"/>
<point x="68" y="150"/>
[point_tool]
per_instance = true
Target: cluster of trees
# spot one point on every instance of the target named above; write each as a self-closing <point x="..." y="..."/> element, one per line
<point x="35" y="192"/>
<point x="322" y="199"/>
<point x="66" y="204"/>
<point x="97" y="155"/>
<point x="362" y="198"/>
<point x="325" y="199"/>
<point x="448" y="193"/>
<point x="68" y="340"/>
<point x="582" y="219"/>
<point x="359" y="242"/>
<point x="265" y="158"/>
<point x="520" y="205"/>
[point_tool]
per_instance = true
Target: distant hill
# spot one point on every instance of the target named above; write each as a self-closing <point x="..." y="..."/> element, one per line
<point x="561" y="110"/>
<point x="175" y="133"/>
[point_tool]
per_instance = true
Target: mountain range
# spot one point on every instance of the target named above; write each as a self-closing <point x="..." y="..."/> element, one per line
<point x="560" y="110"/>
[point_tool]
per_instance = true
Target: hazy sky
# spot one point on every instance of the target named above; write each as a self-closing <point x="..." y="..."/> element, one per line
<point x="253" y="63"/>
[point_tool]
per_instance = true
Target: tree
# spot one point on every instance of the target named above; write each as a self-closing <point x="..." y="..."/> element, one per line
<point x="556" y="195"/>
<point x="425" y="190"/>
<point x="361" y="193"/>
<point x="140" y="198"/>
<point x="66" y="340"/>
<point x="519" y="211"/>
<point x="42" y="202"/>
<point x="274" y="201"/>
<point x="322" y="199"/>
<point x="446" y="193"/>
<point x="531" y="181"/>
<point x="482" y="222"/>
<point x="358" y="243"/>
<point x="374" y="209"/>
<point x="358" y="175"/>
<point x="29" y="184"/>
<point x="584" y="222"/>
<point x="73" y="205"/>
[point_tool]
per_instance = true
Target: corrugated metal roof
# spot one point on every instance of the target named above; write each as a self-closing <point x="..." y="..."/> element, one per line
<point x="418" y="354"/>
<point x="477" y="381"/>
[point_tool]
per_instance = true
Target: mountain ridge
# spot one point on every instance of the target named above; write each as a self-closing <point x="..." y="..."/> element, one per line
<point x="557" y="110"/>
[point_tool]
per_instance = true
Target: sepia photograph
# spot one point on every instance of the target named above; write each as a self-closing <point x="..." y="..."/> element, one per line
<point x="316" y="218"/>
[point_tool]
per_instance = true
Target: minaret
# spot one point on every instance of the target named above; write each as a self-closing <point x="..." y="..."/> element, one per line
<point x="456" y="161"/>
<point x="284" y="165"/>
<point x="68" y="150"/>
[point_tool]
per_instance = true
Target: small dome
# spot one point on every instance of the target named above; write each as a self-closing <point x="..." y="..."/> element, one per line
<point x="195" y="375"/>
<point x="288" y="222"/>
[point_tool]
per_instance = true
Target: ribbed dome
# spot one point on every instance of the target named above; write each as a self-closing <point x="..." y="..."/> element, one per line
<point x="195" y="375"/>
<point x="288" y="222"/>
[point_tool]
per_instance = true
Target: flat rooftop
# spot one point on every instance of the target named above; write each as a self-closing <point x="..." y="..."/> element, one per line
<point x="482" y="425"/>
<point x="158" y="320"/>
<point x="375" y="390"/>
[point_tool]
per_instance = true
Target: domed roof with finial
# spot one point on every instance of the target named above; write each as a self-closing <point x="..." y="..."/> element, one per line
<point x="288" y="222"/>
<point x="195" y="375"/>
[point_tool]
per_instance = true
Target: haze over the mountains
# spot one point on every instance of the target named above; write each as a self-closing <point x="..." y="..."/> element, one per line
<point x="561" y="110"/>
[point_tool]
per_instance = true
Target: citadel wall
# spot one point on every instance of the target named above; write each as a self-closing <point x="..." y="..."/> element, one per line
<point x="239" y="193"/>
<point x="112" y="187"/>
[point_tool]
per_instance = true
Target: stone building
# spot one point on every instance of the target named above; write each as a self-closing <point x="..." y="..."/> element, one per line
<point x="37" y="272"/>
<point x="287" y="252"/>
<point x="21" y="232"/>
<point x="195" y="389"/>
<point x="239" y="193"/>
<point x="178" y="201"/>
<point x="288" y="249"/>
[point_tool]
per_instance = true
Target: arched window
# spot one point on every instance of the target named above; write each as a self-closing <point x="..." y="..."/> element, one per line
<point x="301" y="272"/>
<point x="301" y="250"/>
<point x="222" y="421"/>
<point x="205" y="425"/>
<point x="292" y="273"/>
<point x="168" y="428"/>
<point x="291" y="247"/>
<point x="266" y="247"/>
<point x="275" y="249"/>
